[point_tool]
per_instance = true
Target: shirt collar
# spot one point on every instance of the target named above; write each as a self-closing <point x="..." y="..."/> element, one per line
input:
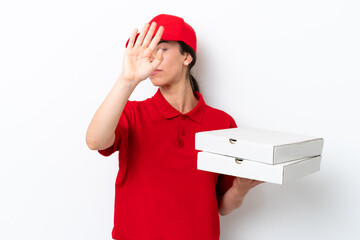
<point x="168" y="111"/>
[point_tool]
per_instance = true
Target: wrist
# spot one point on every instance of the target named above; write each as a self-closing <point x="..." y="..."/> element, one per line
<point x="128" y="83"/>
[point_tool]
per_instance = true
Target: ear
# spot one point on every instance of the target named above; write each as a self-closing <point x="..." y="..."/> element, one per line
<point x="188" y="59"/>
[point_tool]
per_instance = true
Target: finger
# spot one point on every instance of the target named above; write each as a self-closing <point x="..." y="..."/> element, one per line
<point x="142" y="34"/>
<point x="244" y="180"/>
<point x="132" y="38"/>
<point x="157" y="59"/>
<point x="155" y="41"/>
<point x="255" y="183"/>
<point x="149" y="34"/>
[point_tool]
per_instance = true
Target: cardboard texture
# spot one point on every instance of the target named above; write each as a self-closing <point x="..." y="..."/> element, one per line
<point x="279" y="173"/>
<point x="265" y="146"/>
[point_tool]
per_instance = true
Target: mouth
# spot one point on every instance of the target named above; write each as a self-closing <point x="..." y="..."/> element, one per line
<point x="155" y="72"/>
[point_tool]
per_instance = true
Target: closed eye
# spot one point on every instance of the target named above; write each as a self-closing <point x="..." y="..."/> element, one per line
<point x="162" y="45"/>
<point x="162" y="48"/>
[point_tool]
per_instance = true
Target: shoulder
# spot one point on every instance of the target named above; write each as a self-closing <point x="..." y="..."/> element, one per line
<point x="215" y="112"/>
<point x="136" y="105"/>
<point x="215" y="115"/>
<point x="215" y="118"/>
<point x="135" y="108"/>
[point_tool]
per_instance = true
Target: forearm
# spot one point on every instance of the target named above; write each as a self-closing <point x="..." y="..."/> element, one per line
<point x="230" y="201"/>
<point x="102" y="126"/>
<point x="138" y="63"/>
<point x="235" y="195"/>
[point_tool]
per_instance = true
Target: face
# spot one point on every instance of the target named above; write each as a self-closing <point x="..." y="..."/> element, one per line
<point x="172" y="69"/>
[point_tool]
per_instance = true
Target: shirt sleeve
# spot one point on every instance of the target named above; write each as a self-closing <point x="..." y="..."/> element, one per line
<point x="121" y="131"/>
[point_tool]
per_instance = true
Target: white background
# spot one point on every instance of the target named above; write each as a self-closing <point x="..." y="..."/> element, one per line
<point x="282" y="65"/>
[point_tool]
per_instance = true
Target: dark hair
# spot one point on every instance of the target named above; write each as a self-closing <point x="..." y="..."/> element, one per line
<point x="184" y="48"/>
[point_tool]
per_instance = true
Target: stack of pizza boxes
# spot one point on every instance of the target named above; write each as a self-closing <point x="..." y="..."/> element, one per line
<point x="259" y="154"/>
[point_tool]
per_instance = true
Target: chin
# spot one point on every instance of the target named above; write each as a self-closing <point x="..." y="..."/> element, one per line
<point x="157" y="82"/>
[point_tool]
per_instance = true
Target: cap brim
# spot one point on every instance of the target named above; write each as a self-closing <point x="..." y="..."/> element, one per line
<point x="166" y="38"/>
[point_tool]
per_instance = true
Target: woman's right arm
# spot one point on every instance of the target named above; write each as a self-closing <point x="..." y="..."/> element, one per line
<point x="101" y="131"/>
<point x="140" y="60"/>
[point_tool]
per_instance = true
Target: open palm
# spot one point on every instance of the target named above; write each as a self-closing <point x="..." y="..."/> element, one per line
<point x="140" y="58"/>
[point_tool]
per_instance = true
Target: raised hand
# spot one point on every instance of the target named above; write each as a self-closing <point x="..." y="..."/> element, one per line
<point x="140" y="58"/>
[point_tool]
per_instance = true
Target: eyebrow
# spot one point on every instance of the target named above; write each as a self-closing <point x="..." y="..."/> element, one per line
<point x="162" y="41"/>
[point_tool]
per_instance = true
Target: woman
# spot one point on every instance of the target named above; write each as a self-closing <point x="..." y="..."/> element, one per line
<point x="159" y="192"/>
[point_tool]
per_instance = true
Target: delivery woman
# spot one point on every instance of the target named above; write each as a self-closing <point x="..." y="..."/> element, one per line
<point x="159" y="193"/>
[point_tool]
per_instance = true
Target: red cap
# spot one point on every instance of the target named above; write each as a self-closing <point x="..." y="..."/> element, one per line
<point x="175" y="29"/>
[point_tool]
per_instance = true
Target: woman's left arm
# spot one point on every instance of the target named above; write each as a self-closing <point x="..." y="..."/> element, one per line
<point x="234" y="196"/>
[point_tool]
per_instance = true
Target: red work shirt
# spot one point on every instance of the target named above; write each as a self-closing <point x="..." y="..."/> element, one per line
<point x="159" y="193"/>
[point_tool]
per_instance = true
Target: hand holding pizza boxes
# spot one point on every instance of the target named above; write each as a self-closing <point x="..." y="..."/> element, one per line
<point x="258" y="154"/>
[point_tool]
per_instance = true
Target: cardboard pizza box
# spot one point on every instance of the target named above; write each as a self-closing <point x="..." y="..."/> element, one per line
<point x="260" y="145"/>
